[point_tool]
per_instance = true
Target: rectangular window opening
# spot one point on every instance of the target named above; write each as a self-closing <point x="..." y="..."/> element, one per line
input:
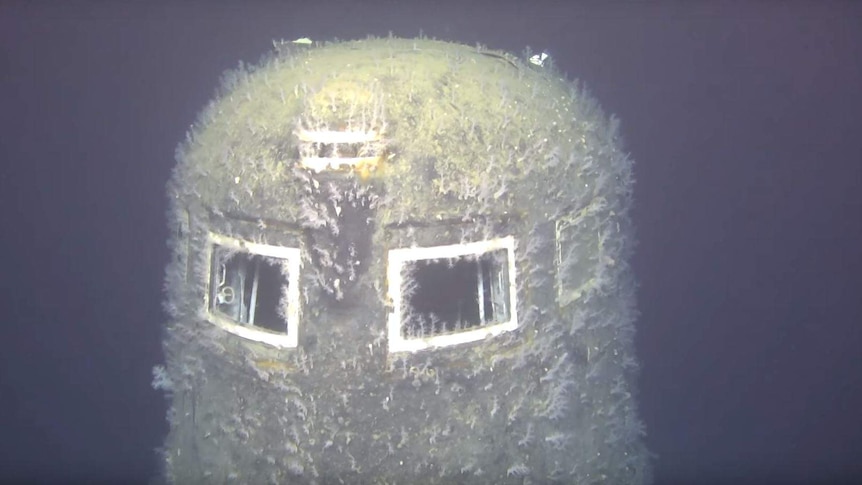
<point x="448" y="295"/>
<point x="253" y="290"/>
<point x="455" y="294"/>
<point x="247" y="289"/>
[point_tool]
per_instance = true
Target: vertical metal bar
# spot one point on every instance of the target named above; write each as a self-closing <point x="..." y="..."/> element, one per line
<point x="480" y="290"/>
<point x="253" y="303"/>
<point x="242" y="316"/>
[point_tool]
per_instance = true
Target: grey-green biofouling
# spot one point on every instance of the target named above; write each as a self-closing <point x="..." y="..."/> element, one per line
<point x="401" y="261"/>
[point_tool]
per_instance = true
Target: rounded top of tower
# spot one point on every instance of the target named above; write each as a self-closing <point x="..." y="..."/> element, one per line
<point x="447" y="127"/>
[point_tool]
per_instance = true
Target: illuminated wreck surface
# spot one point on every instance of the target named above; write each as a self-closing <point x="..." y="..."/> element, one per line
<point x="401" y="261"/>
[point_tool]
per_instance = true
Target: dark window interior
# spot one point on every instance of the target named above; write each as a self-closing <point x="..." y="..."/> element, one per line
<point x="455" y="294"/>
<point x="247" y="289"/>
<point x="337" y="150"/>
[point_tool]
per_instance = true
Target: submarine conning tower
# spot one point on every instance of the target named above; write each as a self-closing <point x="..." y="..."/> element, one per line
<point x="401" y="261"/>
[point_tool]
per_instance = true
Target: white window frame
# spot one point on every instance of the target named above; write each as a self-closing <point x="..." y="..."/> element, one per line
<point x="292" y="257"/>
<point x="399" y="257"/>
